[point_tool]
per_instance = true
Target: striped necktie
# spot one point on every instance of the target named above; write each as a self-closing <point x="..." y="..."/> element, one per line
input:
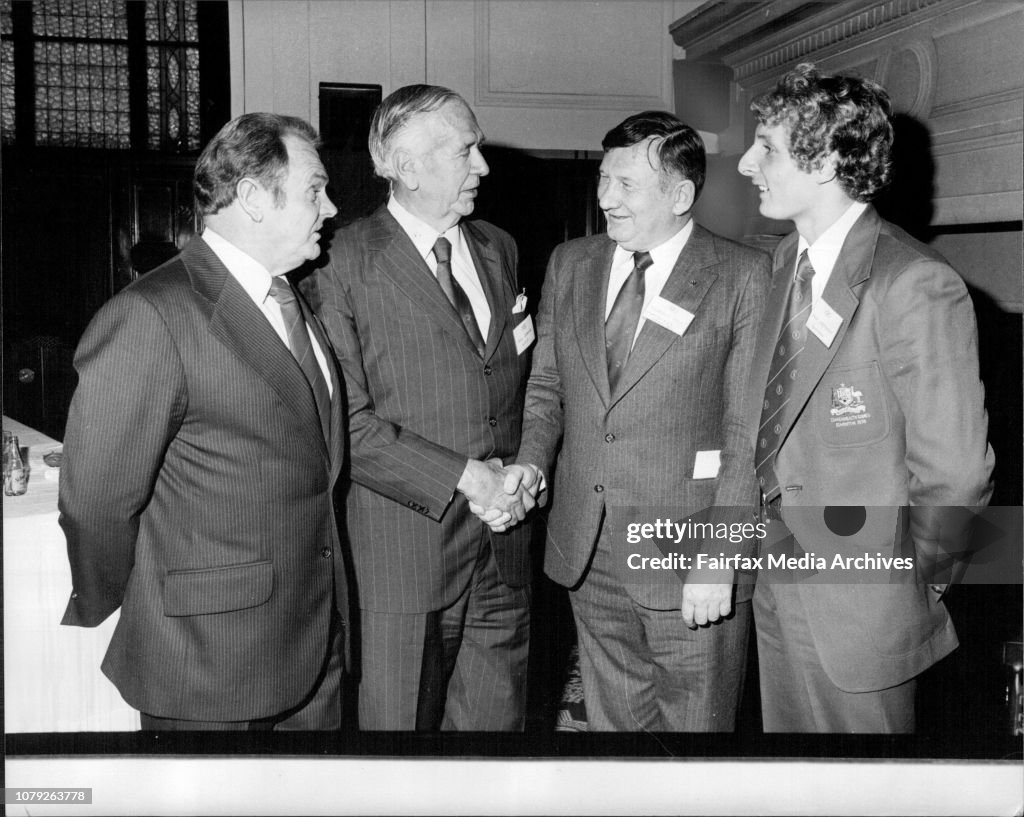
<point x="777" y="391"/>
<point x="620" y="327"/>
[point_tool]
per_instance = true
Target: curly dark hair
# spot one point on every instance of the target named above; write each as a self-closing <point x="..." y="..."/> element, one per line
<point x="849" y="116"/>
<point x="680" y="151"/>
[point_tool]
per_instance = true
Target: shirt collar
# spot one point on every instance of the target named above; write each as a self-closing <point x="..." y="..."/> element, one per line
<point x="825" y="251"/>
<point x="250" y="273"/>
<point x="665" y="253"/>
<point x="422" y="234"/>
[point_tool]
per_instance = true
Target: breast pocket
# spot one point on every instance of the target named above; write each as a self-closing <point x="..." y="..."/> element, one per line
<point x="850" y="407"/>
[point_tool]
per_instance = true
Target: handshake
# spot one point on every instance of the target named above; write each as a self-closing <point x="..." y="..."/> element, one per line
<point x="501" y="496"/>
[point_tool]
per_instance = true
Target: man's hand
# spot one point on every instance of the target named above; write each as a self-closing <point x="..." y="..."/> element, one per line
<point x="483" y="484"/>
<point x="525" y="475"/>
<point x="706" y="598"/>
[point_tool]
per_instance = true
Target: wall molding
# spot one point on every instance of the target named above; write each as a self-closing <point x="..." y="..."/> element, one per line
<point x="486" y="95"/>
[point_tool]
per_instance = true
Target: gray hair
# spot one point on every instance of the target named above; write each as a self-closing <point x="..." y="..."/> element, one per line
<point x="395" y="113"/>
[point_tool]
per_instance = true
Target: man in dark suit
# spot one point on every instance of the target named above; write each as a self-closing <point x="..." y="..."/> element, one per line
<point x="203" y="447"/>
<point x="645" y="339"/>
<point x="865" y="390"/>
<point x="424" y="311"/>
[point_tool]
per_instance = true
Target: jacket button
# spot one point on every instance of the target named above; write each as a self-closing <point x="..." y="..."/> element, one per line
<point x="609" y="438"/>
<point x="599" y="489"/>
<point x="492" y="422"/>
<point x="74" y="595"/>
<point x="488" y="370"/>
<point x="326" y="553"/>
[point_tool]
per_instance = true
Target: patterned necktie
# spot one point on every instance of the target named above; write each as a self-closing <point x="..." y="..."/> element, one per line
<point x="301" y="348"/>
<point x="620" y="327"/>
<point x="455" y="294"/>
<point x="791" y="342"/>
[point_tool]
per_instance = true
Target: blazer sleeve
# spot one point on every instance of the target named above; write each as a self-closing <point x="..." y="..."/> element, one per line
<point x="737" y="482"/>
<point x="930" y="355"/>
<point x="542" y="411"/>
<point x="126" y="409"/>
<point x="385" y="457"/>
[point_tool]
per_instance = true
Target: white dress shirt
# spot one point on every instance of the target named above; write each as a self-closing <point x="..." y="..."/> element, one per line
<point x="664" y="257"/>
<point x="824" y="252"/>
<point x="256" y="280"/>
<point x="464" y="271"/>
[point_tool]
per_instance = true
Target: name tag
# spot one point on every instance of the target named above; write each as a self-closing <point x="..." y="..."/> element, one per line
<point x="824" y="322"/>
<point x="667" y="314"/>
<point x="524" y="334"/>
<point x="707" y="464"/>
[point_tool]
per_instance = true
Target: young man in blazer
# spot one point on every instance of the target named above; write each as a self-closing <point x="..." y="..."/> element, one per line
<point x="424" y="310"/>
<point x="203" y="449"/>
<point x="645" y="340"/>
<point x="866" y="397"/>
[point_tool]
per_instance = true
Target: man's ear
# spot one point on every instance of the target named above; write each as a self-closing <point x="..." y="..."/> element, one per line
<point x="252" y="198"/>
<point x="406" y="166"/>
<point x="826" y="171"/>
<point x="684" y="193"/>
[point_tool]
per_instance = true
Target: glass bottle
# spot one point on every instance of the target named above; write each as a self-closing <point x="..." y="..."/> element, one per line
<point x="15" y="472"/>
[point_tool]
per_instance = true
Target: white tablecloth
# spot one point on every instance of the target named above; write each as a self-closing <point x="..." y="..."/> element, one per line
<point x="52" y="677"/>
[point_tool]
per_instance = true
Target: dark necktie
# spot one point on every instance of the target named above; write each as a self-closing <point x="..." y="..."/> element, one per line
<point x="455" y="294"/>
<point x="791" y="342"/>
<point x="620" y="327"/>
<point x="302" y="349"/>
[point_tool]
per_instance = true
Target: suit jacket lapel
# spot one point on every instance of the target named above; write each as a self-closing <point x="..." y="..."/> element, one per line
<point x="589" y="282"/>
<point x="687" y="284"/>
<point x="336" y="422"/>
<point x="490" y="271"/>
<point x="237" y="322"/>
<point x="852" y="268"/>
<point x="395" y="256"/>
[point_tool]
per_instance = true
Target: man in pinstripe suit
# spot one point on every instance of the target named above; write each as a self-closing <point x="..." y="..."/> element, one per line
<point x="646" y="402"/>
<point x="203" y="447"/>
<point x="423" y="311"/>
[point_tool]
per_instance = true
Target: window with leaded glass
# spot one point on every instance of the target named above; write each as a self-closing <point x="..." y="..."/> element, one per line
<point x="110" y="73"/>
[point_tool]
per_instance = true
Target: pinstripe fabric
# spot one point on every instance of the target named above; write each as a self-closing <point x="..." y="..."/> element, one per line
<point x="645" y="669"/>
<point x="197" y="495"/>
<point x="678" y="395"/>
<point x="421" y="401"/>
<point x="461" y="668"/>
<point x="636" y="446"/>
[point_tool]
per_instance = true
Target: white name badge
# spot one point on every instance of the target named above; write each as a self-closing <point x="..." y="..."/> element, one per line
<point x="707" y="464"/>
<point x="524" y="334"/>
<point x="824" y="322"/>
<point x="667" y="314"/>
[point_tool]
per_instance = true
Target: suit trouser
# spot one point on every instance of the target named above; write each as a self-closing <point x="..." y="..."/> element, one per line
<point x="644" y="669"/>
<point x="320" y="710"/>
<point x="797" y="694"/>
<point x="460" y="668"/>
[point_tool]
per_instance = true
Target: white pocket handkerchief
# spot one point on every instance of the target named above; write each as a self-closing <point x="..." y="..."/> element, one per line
<point x="520" y="305"/>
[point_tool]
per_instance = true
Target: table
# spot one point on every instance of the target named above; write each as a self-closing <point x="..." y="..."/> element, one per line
<point x="52" y="677"/>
